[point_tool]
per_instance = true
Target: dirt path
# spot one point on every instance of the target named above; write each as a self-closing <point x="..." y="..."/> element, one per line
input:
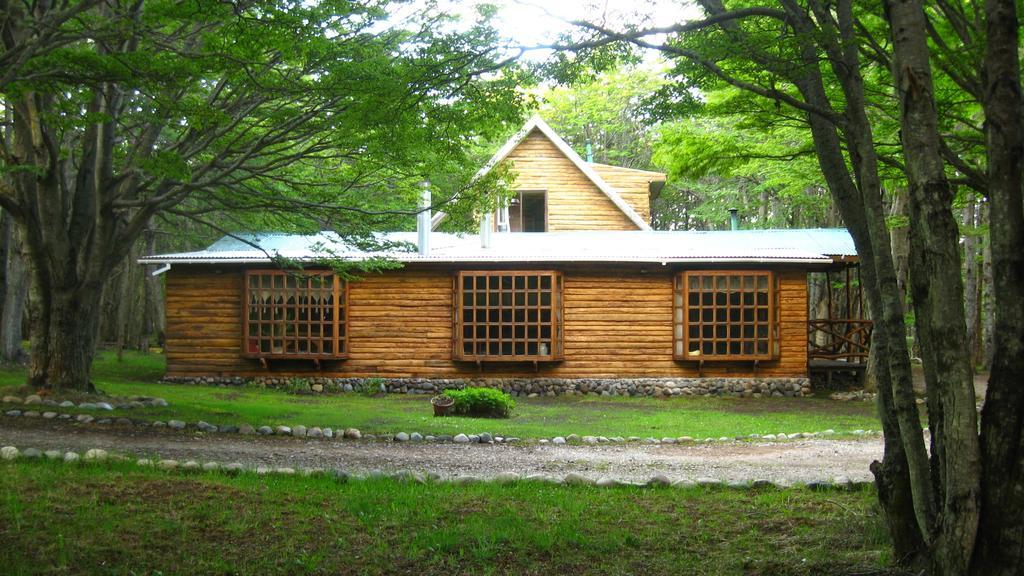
<point x="795" y="461"/>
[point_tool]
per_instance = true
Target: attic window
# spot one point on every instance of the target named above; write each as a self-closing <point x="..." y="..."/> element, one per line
<point x="508" y="316"/>
<point x="725" y="315"/>
<point x="528" y="212"/>
<point x="295" y="314"/>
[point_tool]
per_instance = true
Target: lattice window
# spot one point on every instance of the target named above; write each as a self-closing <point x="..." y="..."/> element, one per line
<point x="508" y="316"/>
<point x="725" y="315"/>
<point x="295" y="314"/>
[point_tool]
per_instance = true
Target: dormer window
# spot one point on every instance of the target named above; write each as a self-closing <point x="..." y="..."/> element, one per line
<point x="528" y="212"/>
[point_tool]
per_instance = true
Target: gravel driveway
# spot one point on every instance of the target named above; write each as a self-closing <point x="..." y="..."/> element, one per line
<point x="793" y="461"/>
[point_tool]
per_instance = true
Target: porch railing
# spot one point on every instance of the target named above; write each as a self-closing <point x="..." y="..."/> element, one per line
<point x="839" y="339"/>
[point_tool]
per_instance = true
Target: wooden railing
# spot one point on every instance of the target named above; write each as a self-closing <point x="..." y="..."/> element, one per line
<point x="840" y="339"/>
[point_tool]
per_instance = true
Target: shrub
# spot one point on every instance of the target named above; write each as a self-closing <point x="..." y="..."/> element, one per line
<point x="488" y="402"/>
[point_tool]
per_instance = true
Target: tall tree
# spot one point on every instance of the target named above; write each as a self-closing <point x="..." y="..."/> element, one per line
<point x="952" y="510"/>
<point x="316" y="114"/>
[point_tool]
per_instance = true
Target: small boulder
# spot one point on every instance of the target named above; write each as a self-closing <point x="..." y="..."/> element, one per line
<point x="461" y="439"/>
<point x="33" y="399"/>
<point x="486" y="438"/>
<point x="606" y="482"/>
<point x="246" y="430"/>
<point x="299" y="431"/>
<point x="71" y="457"/>
<point x="401" y="437"/>
<point x="176" y="425"/>
<point x="14" y="400"/>
<point x="67" y="404"/>
<point x="53" y="454"/>
<point x="233" y="468"/>
<point x="265" y="430"/>
<point x="315" y="432"/>
<point x="95" y="455"/>
<point x="558" y="440"/>
<point x="573" y="478"/>
<point x="590" y="439"/>
<point x="282" y="430"/>
<point x="328" y="433"/>
<point x="285" y="470"/>
<point x="205" y="426"/>
<point x="211" y="467"/>
<point x="659" y="480"/>
<point x="167" y="464"/>
<point x="227" y="429"/>
<point x="190" y="465"/>
<point x="506" y="478"/>
<point x="104" y="406"/>
<point x="84" y="418"/>
<point x="416" y="437"/>
<point x="9" y="453"/>
<point x="353" y="434"/>
<point x="13" y="413"/>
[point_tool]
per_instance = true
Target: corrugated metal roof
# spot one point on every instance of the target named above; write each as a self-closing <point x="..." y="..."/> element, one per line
<point x="804" y="245"/>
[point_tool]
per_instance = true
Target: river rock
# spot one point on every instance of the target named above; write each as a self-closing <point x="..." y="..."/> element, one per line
<point x="558" y="440"/>
<point x="353" y="434"/>
<point x="176" y="424"/>
<point x="461" y="439"/>
<point x="246" y="429"/>
<point x="33" y="399"/>
<point x="71" y="457"/>
<point x="401" y="437"/>
<point x="9" y="453"/>
<point x="315" y="432"/>
<point x="96" y="454"/>
<point x="299" y="431"/>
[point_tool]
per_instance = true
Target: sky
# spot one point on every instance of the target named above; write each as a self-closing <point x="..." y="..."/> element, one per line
<point x="530" y="23"/>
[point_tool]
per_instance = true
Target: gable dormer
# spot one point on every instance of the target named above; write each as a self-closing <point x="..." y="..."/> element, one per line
<point x="556" y="190"/>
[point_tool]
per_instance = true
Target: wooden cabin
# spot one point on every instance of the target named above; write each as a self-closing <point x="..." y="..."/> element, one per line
<point x="568" y="281"/>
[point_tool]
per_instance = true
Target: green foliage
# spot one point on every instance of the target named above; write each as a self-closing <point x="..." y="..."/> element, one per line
<point x="296" y="386"/>
<point x="370" y="387"/>
<point x="610" y="111"/>
<point x="486" y="402"/>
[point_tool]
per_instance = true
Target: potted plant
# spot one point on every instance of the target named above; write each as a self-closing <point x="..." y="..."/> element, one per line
<point x="442" y="404"/>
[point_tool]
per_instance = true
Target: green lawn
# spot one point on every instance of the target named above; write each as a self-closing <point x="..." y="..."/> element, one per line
<point x="533" y="418"/>
<point x="122" y="519"/>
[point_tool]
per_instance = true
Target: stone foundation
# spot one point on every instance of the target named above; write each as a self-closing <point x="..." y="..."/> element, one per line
<point x="531" y="387"/>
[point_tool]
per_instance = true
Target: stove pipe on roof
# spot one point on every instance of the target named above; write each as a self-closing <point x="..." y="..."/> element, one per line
<point x="734" y="219"/>
<point x="423" y="221"/>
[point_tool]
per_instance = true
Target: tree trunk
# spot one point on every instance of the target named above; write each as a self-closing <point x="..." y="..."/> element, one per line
<point x="154" y="294"/>
<point x="1001" y="531"/>
<point x="972" y="283"/>
<point x="937" y="291"/>
<point x="14" y="297"/>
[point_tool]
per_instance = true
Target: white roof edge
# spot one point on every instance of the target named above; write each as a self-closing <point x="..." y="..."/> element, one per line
<point x="429" y="260"/>
<point x="538" y="123"/>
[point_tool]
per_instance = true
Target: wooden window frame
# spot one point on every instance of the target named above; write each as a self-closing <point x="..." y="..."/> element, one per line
<point x="555" y="325"/>
<point x="681" y="320"/>
<point x="290" y="348"/>
<point x="520" y="194"/>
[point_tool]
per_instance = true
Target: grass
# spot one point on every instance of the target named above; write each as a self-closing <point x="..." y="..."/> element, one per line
<point x="698" y="417"/>
<point x="122" y="519"/>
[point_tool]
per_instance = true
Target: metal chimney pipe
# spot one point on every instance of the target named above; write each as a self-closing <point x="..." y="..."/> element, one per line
<point x="734" y="219"/>
<point x="485" y="231"/>
<point x="423" y="221"/>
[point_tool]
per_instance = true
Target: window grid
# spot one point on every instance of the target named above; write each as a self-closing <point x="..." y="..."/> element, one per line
<point x="725" y="315"/>
<point x="507" y="316"/>
<point x="295" y="314"/>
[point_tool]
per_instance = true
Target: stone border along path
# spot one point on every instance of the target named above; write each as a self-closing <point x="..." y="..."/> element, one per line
<point x="301" y="431"/>
<point x="98" y="455"/>
<point x="133" y="402"/>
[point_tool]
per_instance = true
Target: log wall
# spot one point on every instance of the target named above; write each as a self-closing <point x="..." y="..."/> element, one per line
<point x="618" y="324"/>
<point x="574" y="201"/>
